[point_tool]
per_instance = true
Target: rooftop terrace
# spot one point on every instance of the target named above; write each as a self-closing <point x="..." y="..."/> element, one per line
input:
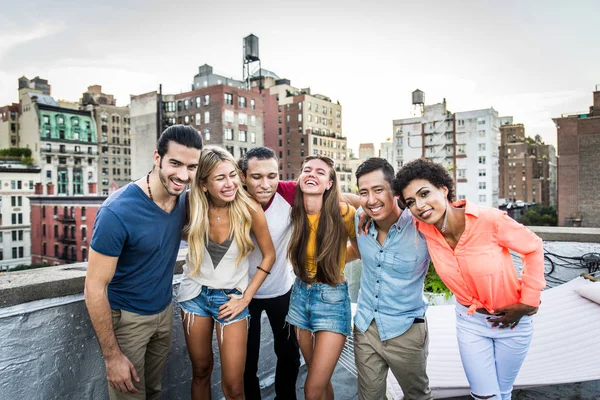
<point x="49" y="349"/>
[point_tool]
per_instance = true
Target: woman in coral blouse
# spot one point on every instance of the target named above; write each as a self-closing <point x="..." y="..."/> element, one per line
<point x="469" y="246"/>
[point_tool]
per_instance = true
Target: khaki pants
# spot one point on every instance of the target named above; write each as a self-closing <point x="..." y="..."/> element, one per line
<point x="405" y="355"/>
<point x="145" y="340"/>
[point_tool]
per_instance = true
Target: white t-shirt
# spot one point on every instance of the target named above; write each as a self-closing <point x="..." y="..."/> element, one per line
<point x="277" y="213"/>
<point x="226" y="275"/>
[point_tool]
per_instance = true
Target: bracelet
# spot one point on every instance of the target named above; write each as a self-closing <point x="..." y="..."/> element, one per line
<point x="264" y="270"/>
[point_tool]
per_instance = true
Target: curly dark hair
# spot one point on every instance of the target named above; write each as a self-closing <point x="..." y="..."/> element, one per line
<point x="435" y="173"/>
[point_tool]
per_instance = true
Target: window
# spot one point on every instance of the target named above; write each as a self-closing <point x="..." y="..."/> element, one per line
<point x="228" y="134"/>
<point x="44" y="249"/>
<point x="83" y="214"/>
<point x="242" y="136"/>
<point x="280" y="131"/>
<point x="299" y="117"/>
<point x="55" y="250"/>
<point x="21" y="252"/>
<point x="241" y="102"/>
<point x="481" y="133"/>
<point x="301" y="152"/>
<point x="243" y="119"/>
<point x="63" y="181"/>
<point x="206" y="117"/>
<point x="481" y="147"/>
<point x="228" y="98"/>
<point x="206" y="134"/>
<point x="228" y="116"/>
<point x="252" y="137"/>
<point x="482" y="172"/>
<point x="461" y="173"/>
<point x="77" y="181"/>
<point x="186" y="119"/>
<point x="252" y="104"/>
<point x="482" y="198"/>
<point x="83" y="233"/>
<point x="206" y="99"/>
<point x="482" y="185"/>
<point x="198" y="101"/>
<point x="198" y="119"/>
<point x="482" y="160"/>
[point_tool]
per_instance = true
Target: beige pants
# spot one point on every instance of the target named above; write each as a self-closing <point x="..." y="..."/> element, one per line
<point x="145" y="340"/>
<point x="405" y="355"/>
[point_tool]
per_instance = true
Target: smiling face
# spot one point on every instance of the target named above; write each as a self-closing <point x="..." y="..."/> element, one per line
<point x="425" y="201"/>
<point x="377" y="197"/>
<point x="262" y="178"/>
<point x="177" y="168"/>
<point x="222" y="183"/>
<point x="315" y="177"/>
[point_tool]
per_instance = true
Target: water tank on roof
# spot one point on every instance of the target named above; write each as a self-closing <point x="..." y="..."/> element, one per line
<point x="418" y="97"/>
<point x="251" y="48"/>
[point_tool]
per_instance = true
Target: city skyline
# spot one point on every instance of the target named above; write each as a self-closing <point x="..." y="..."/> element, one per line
<point x="517" y="58"/>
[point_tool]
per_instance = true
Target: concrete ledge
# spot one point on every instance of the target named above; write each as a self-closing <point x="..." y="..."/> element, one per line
<point x="43" y="283"/>
<point x="567" y="234"/>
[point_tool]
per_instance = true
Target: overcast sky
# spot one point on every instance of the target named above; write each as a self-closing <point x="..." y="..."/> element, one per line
<point x="530" y="59"/>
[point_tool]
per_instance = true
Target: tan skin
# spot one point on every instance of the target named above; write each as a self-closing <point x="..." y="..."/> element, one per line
<point x="221" y="186"/>
<point x="428" y="203"/>
<point x="169" y="177"/>
<point x="321" y="353"/>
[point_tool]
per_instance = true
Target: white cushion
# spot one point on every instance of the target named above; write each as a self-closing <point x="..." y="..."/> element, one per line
<point x="591" y="291"/>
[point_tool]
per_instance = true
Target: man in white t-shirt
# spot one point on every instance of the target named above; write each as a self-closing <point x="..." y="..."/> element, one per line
<point x="260" y="174"/>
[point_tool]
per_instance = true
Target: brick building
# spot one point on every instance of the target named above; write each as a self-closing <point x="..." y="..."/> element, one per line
<point x="527" y="167"/>
<point x="220" y="108"/>
<point x="61" y="227"/>
<point x="299" y="124"/>
<point x="579" y="166"/>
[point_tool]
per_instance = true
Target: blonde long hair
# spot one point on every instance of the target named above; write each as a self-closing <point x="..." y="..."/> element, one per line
<point x="240" y="218"/>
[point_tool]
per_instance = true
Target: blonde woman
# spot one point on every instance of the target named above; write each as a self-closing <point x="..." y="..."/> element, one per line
<point x="215" y="287"/>
<point x="320" y="304"/>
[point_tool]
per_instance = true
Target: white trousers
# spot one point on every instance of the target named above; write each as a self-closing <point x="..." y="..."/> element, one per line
<point x="491" y="357"/>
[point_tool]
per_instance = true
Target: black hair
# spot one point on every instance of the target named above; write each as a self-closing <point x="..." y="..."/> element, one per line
<point x="184" y="135"/>
<point x="261" y="153"/>
<point x="427" y="170"/>
<point x="374" y="164"/>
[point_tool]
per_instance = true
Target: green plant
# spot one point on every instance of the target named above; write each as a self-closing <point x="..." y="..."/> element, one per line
<point x="32" y="266"/>
<point x="434" y="284"/>
<point x="538" y="215"/>
<point x="16" y="152"/>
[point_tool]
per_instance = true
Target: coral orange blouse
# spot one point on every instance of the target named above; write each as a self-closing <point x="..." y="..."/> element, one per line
<point x="480" y="271"/>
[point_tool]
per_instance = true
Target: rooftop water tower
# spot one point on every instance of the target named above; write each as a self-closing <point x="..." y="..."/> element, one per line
<point x="250" y="58"/>
<point x="418" y="102"/>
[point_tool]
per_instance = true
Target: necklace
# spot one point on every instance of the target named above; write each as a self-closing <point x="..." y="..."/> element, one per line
<point x="148" y="183"/>
<point x="217" y="214"/>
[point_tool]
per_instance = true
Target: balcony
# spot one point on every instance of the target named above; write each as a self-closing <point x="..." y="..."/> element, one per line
<point x="67" y="240"/>
<point x="67" y="348"/>
<point x="68" y="257"/>
<point x="66" y="218"/>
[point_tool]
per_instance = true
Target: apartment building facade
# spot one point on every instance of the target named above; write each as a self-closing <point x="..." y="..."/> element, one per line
<point x="578" y="138"/>
<point x="526" y="167"/>
<point x="114" y="141"/>
<point x="299" y="124"/>
<point x="466" y="143"/>
<point x="61" y="227"/>
<point x="17" y="183"/>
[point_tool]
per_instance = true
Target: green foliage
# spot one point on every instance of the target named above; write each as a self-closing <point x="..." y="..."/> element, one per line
<point x="32" y="266"/>
<point x="27" y="160"/>
<point x="16" y="152"/>
<point x="434" y="284"/>
<point x="538" y="215"/>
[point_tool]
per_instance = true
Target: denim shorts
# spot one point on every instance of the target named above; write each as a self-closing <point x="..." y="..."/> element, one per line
<point x="207" y="304"/>
<point x="320" y="307"/>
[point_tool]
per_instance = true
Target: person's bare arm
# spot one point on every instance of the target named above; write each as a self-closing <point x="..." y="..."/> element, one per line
<point x="119" y="370"/>
<point x="353" y="199"/>
<point x="261" y="232"/>
<point x="352" y="252"/>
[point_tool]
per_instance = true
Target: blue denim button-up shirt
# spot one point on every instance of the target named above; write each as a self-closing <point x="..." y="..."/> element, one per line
<point x="391" y="284"/>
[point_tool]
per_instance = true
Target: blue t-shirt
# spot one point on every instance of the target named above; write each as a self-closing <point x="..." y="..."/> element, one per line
<point x="146" y="239"/>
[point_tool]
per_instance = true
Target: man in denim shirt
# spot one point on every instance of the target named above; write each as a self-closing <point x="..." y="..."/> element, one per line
<point x="390" y="330"/>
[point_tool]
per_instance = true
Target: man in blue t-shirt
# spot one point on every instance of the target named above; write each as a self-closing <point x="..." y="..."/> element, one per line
<point x="128" y="287"/>
<point x="390" y="330"/>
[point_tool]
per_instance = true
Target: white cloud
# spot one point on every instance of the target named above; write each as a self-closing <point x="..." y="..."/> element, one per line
<point x="8" y="40"/>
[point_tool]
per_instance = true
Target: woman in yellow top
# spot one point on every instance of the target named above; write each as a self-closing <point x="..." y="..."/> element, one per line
<point x="320" y="305"/>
